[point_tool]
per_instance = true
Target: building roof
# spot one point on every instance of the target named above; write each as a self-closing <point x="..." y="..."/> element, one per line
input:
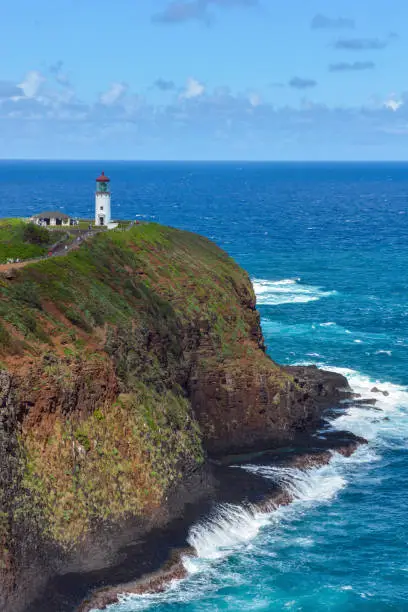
<point x="51" y="214"/>
<point x="103" y="178"/>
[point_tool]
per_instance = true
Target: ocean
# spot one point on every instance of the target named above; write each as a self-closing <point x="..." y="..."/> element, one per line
<point x="326" y="247"/>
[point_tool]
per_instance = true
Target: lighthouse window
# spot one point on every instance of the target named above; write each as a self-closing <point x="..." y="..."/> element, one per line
<point x="101" y="207"/>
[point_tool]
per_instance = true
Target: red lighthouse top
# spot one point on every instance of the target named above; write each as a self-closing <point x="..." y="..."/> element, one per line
<point x="103" y="178"/>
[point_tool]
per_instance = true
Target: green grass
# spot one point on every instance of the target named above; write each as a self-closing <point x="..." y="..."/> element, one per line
<point x="185" y="278"/>
<point x="17" y="242"/>
<point x="12" y="244"/>
<point x="84" y="223"/>
<point x="14" y="234"/>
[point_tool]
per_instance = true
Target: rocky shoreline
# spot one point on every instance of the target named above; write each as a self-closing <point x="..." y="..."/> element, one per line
<point x="156" y="550"/>
<point x="273" y="497"/>
<point x="157" y="553"/>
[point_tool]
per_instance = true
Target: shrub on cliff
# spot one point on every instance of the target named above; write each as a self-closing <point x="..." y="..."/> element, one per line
<point x="34" y="234"/>
<point x="27" y="293"/>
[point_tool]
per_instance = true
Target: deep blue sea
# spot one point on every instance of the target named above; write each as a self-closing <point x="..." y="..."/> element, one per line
<point x="327" y="248"/>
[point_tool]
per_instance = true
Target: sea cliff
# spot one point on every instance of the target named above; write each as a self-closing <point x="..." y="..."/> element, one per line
<point x="127" y="368"/>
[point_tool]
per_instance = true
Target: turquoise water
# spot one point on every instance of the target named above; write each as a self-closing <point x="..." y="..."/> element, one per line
<point x="326" y="247"/>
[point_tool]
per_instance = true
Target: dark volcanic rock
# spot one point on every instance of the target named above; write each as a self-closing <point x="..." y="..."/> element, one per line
<point x="236" y="485"/>
<point x="365" y="402"/>
<point x="376" y="390"/>
<point x="324" y="384"/>
<point x="250" y="408"/>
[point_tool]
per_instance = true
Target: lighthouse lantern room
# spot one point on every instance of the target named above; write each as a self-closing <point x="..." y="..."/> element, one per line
<point x="102" y="201"/>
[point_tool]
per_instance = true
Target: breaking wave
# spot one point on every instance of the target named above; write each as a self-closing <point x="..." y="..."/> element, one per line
<point x="233" y="529"/>
<point x="387" y="421"/>
<point x="287" y="291"/>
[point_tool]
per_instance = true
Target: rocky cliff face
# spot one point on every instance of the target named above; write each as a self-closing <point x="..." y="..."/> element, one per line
<point x="122" y="367"/>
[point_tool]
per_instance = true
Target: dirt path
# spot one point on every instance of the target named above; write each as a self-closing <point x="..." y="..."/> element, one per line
<point x="58" y="251"/>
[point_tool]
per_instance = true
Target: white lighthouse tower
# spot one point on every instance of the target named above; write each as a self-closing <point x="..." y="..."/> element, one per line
<point x="102" y="201"/>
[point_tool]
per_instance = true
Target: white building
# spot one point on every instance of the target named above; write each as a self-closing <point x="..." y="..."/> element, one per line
<point x="102" y="201"/>
<point x="52" y="217"/>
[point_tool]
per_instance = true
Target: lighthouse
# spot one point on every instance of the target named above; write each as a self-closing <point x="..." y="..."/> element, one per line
<point x="102" y="201"/>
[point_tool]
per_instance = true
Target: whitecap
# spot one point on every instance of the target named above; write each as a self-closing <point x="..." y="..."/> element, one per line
<point x="287" y="291"/>
<point x="313" y="485"/>
<point x="303" y="542"/>
<point x="229" y="527"/>
<point x="232" y="527"/>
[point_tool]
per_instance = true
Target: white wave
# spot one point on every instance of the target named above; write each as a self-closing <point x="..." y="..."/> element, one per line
<point x="390" y="422"/>
<point x="233" y="528"/>
<point x="229" y="527"/>
<point x="323" y="333"/>
<point x="287" y="291"/>
<point x="313" y="485"/>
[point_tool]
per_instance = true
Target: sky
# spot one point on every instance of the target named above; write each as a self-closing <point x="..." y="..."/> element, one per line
<point x="204" y="79"/>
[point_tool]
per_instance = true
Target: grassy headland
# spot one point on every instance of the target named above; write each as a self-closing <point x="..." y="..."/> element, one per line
<point x="103" y="342"/>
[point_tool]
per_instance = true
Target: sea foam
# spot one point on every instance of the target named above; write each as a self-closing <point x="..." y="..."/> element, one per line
<point x="287" y="291"/>
<point x="232" y="529"/>
<point x="229" y="527"/>
<point x="389" y="421"/>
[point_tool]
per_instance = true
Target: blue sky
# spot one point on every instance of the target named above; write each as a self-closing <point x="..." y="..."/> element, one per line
<point x="204" y="79"/>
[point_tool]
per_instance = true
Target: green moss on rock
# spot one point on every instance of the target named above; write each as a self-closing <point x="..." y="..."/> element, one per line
<point x="112" y="464"/>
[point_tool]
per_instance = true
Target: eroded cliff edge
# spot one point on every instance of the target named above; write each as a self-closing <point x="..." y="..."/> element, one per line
<point x="124" y="365"/>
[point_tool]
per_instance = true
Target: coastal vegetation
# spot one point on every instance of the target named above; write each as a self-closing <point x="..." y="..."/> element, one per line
<point x="108" y="335"/>
<point x="21" y="240"/>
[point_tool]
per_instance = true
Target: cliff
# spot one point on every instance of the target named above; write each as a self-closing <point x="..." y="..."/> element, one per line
<point x="123" y="367"/>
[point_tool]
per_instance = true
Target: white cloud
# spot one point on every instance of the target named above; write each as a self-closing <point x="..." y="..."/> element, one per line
<point x="194" y="89"/>
<point x="115" y="92"/>
<point x="32" y="83"/>
<point x="203" y="121"/>
<point x="255" y="99"/>
<point x="393" y="104"/>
